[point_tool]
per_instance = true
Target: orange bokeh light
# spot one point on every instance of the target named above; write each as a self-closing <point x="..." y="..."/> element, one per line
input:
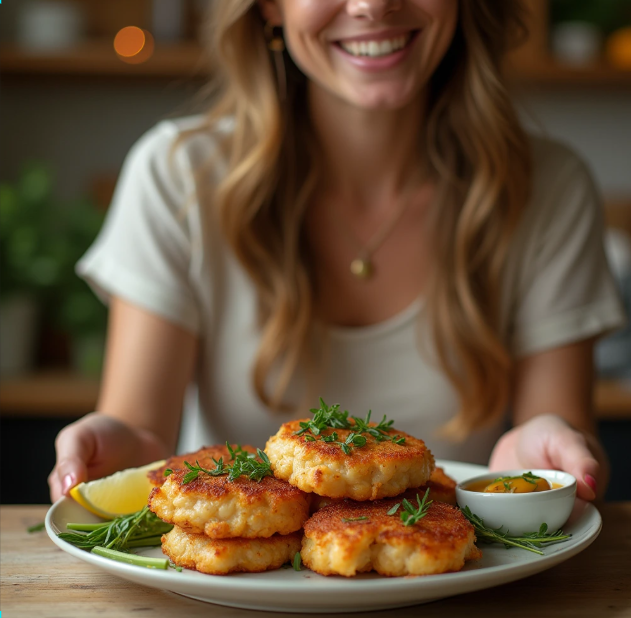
<point x="133" y="45"/>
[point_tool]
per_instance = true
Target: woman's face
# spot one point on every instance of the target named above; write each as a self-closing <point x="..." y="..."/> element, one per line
<point x="373" y="54"/>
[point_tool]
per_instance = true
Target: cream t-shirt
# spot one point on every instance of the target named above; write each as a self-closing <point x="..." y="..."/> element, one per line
<point x="158" y="251"/>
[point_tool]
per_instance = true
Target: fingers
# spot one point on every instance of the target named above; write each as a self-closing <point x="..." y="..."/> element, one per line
<point x="549" y="442"/>
<point x="569" y="452"/>
<point x="75" y="447"/>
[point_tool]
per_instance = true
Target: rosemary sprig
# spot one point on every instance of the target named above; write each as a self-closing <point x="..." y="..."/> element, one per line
<point x="330" y="417"/>
<point x="347" y="520"/>
<point x="412" y="514"/>
<point x="245" y="464"/>
<point x="530" y="541"/>
<point x="141" y="529"/>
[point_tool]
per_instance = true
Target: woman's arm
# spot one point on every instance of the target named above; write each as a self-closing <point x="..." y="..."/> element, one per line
<point x="148" y="364"/>
<point x="552" y="414"/>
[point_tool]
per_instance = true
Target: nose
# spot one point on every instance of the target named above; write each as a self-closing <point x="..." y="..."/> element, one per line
<point x="372" y="10"/>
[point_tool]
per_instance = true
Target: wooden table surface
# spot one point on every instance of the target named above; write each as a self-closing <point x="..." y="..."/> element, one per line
<point x="40" y="580"/>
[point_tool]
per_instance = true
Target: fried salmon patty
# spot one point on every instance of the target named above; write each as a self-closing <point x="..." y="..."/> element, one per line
<point x="222" y="556"/>
<point x="376" y="470"/>
<point x="204" y="456"/>
<point x="355" y="537"/>
<point x="442" y="488"/>
<point x="219" y="508"/>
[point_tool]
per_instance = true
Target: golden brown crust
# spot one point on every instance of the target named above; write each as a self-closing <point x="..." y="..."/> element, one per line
<point x="374" y="451"/>
<point x="223" y="556"/>
<point x="352" y="537"/>
<point x="377" y="470"/>
<point x="442" y="488"/>
<point x="220" y="508"/>
<point x="204" y="455"/>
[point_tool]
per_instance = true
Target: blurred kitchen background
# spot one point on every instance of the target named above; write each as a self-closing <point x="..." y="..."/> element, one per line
<point x="83" y="79"/>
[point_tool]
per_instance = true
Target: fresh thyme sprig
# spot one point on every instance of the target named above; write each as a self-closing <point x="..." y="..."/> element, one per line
<point x="330" y="417"/>
<point x="378" y="432"/>
<point x="245" y="464"/>
<point x="530" y="541"/>
<point x="325" y="417"/>
<point x="353" y="439"/>
<point x="412" y="514"/>
<point x="141" y="529"/>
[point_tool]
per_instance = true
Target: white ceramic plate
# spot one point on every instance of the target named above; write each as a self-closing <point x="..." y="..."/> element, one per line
<point x="286" y="590"/>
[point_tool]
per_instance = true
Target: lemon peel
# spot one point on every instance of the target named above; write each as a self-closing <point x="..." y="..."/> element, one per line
<point x="119" y="494"/>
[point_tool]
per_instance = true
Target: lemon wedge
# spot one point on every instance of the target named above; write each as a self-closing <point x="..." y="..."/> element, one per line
<point x="121" y="493"/>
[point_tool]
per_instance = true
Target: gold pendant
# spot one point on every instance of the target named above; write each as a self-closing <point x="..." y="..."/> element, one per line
<point x="362" y="268"/>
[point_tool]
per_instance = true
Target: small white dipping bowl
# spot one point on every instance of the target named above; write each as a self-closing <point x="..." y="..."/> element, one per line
<point x="521" y="513"/>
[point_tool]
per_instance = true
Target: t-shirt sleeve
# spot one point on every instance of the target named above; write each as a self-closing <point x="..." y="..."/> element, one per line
<point x="143" y="252"/>
<point x="566" y="292"/>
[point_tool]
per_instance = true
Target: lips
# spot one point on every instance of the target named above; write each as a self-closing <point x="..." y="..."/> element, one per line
<point x="379" y="51"/>
<point x="378" y="45"/>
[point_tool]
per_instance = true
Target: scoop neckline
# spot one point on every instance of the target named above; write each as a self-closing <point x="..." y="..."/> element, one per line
<point x="379" y="328"/>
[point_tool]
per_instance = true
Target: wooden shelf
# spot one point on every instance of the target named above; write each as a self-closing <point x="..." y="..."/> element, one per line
<point x="59" y="394"/>
<point x="66" y="395"/>
<point x="98" y="58"/>
<point x="613" y="400"/>
<point x="549" y="73"/>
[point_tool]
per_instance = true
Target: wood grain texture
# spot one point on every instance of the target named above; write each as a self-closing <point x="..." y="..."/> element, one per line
<point x="38" y="579"/>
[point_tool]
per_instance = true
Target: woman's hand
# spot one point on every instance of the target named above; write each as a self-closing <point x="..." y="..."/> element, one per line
<point x="549" y="442"/>
<point x="98" y="445"/>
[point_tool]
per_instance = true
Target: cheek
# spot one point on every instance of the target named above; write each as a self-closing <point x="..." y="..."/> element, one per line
<point x="305" y="20"/>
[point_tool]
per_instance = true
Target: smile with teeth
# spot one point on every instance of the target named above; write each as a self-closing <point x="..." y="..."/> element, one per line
<point x="376" y="49"/>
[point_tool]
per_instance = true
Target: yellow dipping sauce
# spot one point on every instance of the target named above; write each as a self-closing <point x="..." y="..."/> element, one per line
<point x="524" y="484"/>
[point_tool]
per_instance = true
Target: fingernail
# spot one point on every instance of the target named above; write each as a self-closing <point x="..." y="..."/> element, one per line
<point x="591" y="481"/>
<point x="67" y="483"/>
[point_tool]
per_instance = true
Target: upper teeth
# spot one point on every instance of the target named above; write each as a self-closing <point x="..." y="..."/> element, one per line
<point x="376" y="48"/>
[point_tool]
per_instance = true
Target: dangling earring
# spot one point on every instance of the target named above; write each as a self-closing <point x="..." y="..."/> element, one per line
<point x="276" y="45"/>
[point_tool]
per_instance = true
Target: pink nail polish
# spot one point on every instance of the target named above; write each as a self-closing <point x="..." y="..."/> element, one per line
<point x="591" y="481"/>
<point x="67" y="483"/>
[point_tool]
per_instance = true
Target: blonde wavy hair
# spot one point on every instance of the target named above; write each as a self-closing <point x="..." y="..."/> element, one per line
<point x="479" y="160"/>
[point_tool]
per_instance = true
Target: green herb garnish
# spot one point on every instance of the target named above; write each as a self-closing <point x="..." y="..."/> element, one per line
<point x="394" y="509"/>
<point x="530" y="541"/>
<point x="120" y="556"/>
<point x="36" y="528"/>
<point x="141" y="529"/>
<point x="412" y="514"/>
<point x="245" y="464"/>
<point x="529" y="477"/>
<point x="326" y="417"/>
<point x="347" y="520"/>
<point x="297" y="562"/>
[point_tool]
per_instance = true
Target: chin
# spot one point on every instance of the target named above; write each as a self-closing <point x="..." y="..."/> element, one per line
<point x="383" y="99"/>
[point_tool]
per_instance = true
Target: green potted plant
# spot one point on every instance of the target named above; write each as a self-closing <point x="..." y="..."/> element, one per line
<point x="41" y="239"/>
<point x="79" y="312"/>
<point x="28" y="270"/>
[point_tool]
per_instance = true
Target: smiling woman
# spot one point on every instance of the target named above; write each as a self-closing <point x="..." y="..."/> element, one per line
<point x="358" y="215"/>
<point x="374" y="55"/>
